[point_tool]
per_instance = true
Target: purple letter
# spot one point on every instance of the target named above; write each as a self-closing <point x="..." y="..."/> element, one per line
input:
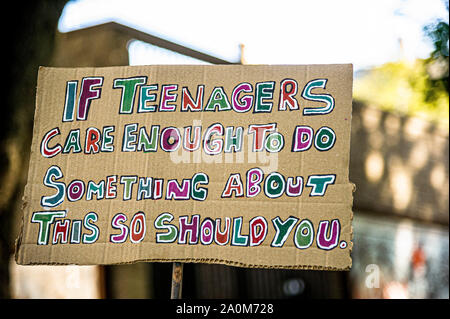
<point x="301" y="144"/>
<point x="88" y="93"/>
<point x="325" y="242"/>
<point x="189" y="227"/>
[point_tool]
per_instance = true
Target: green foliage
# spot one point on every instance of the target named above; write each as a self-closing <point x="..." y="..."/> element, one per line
<point x="438" y="33"/>
<point x="438" y="63"/>
<point x="418" y="88"/>
<point x="406" y="88"/>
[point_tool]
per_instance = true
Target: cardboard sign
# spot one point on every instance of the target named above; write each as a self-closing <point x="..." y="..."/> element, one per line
<point x="237" y="165"/>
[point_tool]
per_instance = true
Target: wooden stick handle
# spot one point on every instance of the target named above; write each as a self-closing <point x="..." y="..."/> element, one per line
<point x="177" y="280"/>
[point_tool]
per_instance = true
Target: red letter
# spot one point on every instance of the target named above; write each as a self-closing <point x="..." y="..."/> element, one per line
<point x="219" y="237"/>
<point x="92" y="140"/>
<point x="61" y="229"/>
<point x="187" y="144"/>
<point x="288" y="97"/>
<point x="256" y="238"/>
<point x="188" y="103"/>
<point x="157" y="189"/>
<point x="50" y="152"/>
<point x="213" y="147"/>
<point x="258" y="138"/>
<point x="137" y="227"/>
<point x="110" y="188"/>
<point x="234" y="183"/>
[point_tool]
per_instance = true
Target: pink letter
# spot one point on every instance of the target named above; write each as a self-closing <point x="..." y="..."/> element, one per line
<point x="175" y="191"/>
<point x="253" y="187"/>
<point x="248" y="99"/>
<point x="299" y="143"/>
<point x="166" y="97"/>
<point x="117" y="224"/>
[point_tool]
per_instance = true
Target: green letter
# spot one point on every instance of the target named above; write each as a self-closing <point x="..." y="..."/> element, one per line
<point x="238" y="239"/>
<point x="325" y="139"/>
<point x="58" y="198"/>
<point x="233" y="141"/>
<point x="92" y="238"/>
<point x="146" y="97"/>
<point x="283" y="230"/>
<point x="304" y="235"/>
<point x="264" y="90"/>
<point x="128" y="87"/>
<point x="325" y="98"/>
<point x="128" y="182"/>
<point x="145" y="143"/>
<point x="172" y="231"/>
<point x="73" y="141"/>
<point x="93" y="188"/>
<point x="45" y="219"/>
<point x="199" y="194"/>
<point x="70" y="103"/>
<point x="274" y="185"/>
<point x="218" y="98"/>
<point x="319" y="183"/>
<point x="274" y="142"/>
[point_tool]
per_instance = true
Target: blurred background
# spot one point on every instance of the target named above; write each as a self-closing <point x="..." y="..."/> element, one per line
<point x="399" y="146"/>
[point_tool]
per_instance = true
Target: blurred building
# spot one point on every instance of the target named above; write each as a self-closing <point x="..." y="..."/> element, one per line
<point x="400" y="166"/>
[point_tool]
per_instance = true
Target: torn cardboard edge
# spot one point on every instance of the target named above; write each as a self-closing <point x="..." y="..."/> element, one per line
<point x="210" y="261"/>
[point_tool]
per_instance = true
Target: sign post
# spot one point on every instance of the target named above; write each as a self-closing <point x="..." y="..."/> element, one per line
<point x="177" y="280"/>
<point x="239" y="165"/>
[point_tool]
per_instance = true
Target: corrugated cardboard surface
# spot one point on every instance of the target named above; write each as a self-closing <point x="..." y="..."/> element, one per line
<point x="335" y="204"/>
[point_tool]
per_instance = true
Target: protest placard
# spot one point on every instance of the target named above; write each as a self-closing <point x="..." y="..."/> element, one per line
<point x="240" y="165"/>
